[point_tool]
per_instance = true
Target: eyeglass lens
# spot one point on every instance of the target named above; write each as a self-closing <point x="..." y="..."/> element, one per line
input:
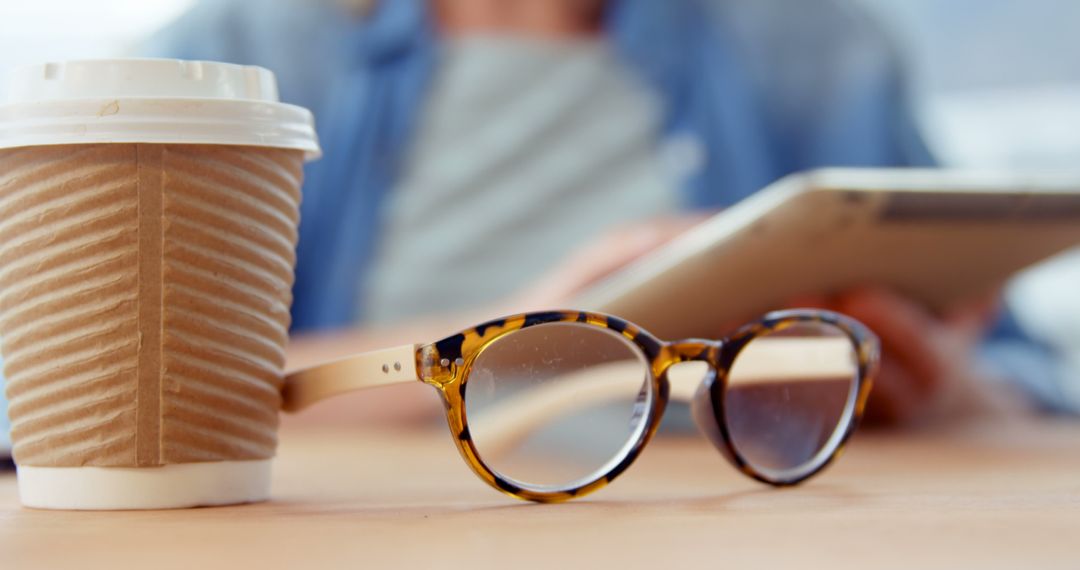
<point x="557" y="405"/>
<point x="790" y="396"/>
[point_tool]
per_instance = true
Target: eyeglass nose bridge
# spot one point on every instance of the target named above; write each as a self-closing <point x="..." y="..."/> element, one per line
<point x="681" y="384"/>
<point x="703" y="408"/>
<point x="688" y="350"/>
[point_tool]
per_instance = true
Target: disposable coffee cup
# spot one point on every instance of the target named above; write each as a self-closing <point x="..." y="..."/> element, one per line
<point x="148" y="224"/>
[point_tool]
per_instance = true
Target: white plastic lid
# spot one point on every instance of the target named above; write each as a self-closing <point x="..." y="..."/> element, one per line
<point x="151" y="101"/>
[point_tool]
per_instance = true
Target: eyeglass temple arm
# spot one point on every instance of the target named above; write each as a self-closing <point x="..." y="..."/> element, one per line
<point x="389" y="366"/>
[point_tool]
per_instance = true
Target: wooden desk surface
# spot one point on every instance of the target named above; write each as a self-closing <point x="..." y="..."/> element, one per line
<point x="992" y="495"/>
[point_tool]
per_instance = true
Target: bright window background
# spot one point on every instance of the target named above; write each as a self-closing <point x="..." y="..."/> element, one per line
<point x="32" y="31"/>
<point x="999" y="80"/>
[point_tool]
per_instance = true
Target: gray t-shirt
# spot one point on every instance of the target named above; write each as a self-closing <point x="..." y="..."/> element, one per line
<point x="526" y="150"/>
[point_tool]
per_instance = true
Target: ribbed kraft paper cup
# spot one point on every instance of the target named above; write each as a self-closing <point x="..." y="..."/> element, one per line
<point x="144" y="311"/>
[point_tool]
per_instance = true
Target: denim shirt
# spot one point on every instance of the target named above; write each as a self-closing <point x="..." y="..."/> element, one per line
<point x="763" y="87"/>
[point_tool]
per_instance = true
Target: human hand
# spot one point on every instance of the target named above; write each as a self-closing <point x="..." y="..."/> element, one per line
<point x="928" y="367"/>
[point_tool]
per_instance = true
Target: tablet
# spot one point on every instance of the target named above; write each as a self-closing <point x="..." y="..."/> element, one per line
<point x="937" y="236"/>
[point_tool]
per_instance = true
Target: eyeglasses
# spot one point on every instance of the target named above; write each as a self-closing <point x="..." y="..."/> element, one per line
<point x="549" y="406"/>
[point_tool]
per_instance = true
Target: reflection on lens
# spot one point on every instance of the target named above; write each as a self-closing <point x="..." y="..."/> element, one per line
<point x="790" y="396"/>
<point x="557" y="405"/>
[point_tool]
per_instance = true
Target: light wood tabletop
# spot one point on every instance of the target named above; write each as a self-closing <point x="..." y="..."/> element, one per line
<point x="985" y="495"/>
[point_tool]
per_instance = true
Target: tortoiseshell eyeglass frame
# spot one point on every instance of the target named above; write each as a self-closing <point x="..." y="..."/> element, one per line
<point x="446" y="365"/>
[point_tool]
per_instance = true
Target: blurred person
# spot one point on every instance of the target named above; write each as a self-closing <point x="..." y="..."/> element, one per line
<point x="498" y="155"/>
